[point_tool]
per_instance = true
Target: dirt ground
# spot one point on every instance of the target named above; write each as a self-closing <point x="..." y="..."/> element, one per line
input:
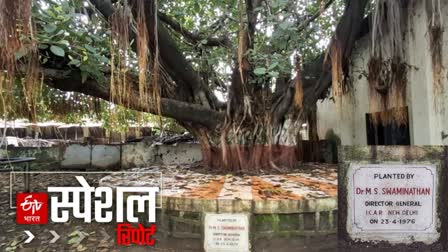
<point x="12" y="236"/>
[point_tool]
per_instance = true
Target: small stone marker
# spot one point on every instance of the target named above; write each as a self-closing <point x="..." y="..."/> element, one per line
<point x="226" y="233"/>
<point x="393" y="203"/>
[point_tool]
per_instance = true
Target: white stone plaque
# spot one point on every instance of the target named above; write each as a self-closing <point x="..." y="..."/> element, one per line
<point x="394" y="203"/>
<point x="226" y="233"/>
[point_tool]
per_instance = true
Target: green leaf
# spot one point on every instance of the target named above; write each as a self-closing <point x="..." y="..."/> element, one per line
<point x="103" y="59"/>
<point x="75" y="62"/>
<point x="42" y="46"/>
<point x="73" y="240"/>
<point x="20" y="53"/>
<point x="57" y="50"/>
<point x="90" y="48"/>
<point x="274" y="74"/>
<point x="95" y="37"/>
<point x="83" y="77"/>
<point x="50" y="28"/>
<point x="260" y="71"/>
<point x="64" y="42"/>
<point x="60" y="32"/>
<point x="282" y="2"/>
<point x="273" y="65"/>
<point x="197" y="7"/>
<point x="284" y="25"/>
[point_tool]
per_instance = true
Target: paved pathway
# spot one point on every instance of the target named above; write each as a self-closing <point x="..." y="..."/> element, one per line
<point x="312" y="184"/>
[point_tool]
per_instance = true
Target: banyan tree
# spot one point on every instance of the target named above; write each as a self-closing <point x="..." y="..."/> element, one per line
<point x="243" y="76"/>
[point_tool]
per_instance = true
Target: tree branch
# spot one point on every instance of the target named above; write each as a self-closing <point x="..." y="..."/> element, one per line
<point x="71" y="81"/>
<point x="316" y="77"/>
<point x="311" y="19"/>
<point x="347" y="32"/>
<point x="189" y="84"/>
<point x="193" y="38"/>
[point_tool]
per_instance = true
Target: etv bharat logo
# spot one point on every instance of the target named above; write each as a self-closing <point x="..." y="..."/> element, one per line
<point x="32" y="208"/>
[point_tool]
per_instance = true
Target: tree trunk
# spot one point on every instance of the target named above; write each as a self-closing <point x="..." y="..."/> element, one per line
<point x="251" y="150"/>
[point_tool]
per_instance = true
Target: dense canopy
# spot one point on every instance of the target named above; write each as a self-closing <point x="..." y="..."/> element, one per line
<point x="234" y="73"/>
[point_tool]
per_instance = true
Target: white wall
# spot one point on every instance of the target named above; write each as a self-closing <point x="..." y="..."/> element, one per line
<point x="346" y="116"/>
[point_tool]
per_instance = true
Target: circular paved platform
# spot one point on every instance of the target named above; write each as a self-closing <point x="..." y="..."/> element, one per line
<point x="313" y="190"/>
